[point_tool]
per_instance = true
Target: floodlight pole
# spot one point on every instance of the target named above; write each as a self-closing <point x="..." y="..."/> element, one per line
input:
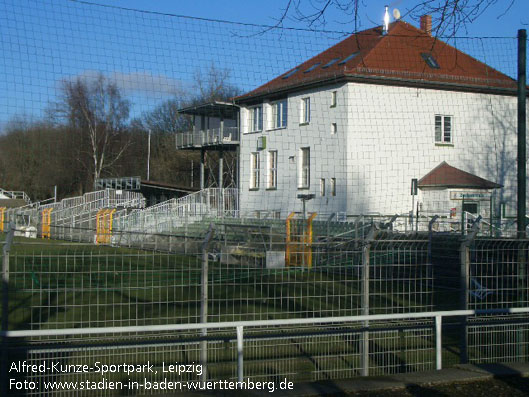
<point x="522" y="114"/>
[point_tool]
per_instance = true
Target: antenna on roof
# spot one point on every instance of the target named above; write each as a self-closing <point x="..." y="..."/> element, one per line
<point x="386" y="21"/>
<point x="396" y="13"/>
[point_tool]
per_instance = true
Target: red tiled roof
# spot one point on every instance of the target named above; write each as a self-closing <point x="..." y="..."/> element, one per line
<point x="444" y="175"/>
<point x="394" y="57"/>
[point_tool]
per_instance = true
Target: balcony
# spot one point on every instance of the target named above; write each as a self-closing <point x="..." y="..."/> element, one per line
<point x="227" y="137"/>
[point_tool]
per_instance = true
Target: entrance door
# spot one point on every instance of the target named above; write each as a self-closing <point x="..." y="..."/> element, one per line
<point x="472" y="208"/>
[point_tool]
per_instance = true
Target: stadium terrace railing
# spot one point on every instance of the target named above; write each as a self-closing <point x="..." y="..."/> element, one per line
<point x="16" y="195"/>
<point x="214" y="136"/>
<point x="68" y="210"/>
<point x="173" y="213"/>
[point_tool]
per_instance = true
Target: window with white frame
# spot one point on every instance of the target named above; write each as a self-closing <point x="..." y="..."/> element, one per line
<point x="272" y="169"/>
<point x="255" y="120"/>
<point x="305" y="111"/>
<point x="333" y="186"/>
<point x="254" y="170"/>
<point x="304" y="168"/>
<point x="443" y="129"/>
<point x="280" y="114"/>
<point x="322" y="187"/>
<point x="333" y="98"/>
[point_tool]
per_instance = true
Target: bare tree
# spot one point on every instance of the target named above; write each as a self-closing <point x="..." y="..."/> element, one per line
<point x="96" y="110"/>
<point x="213" y="85"/>
<point x="448" y="16"/>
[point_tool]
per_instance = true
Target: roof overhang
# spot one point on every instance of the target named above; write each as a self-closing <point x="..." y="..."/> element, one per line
<point x="380" y="80"/>
<point x="212" y="109"/>
<point x="167" y="186"/>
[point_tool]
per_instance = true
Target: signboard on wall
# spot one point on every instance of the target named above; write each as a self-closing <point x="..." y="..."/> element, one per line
<point x="480" y="196"/>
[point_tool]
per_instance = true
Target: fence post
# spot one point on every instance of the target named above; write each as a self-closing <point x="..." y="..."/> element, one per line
<point x="240" y="354"/>
<point x="521" y="136"/>
<point x="5" y="304"/>
<point x="438" y="343"/>
<point x="204" y="302"/>
<point x="329" y="219"/>
<point x="522" y="285"/>
<point x="464" y="255"/>
<point x="430" y="235"/>
<point x="365" y="299"/>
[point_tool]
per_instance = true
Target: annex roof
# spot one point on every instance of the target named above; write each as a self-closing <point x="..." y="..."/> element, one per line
<point x="444" y="175"/>
<point x="213" y="109"/>
<point x="405" y="56"/>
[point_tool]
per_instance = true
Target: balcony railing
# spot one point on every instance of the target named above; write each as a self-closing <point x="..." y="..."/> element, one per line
<point x="210" y="137"/>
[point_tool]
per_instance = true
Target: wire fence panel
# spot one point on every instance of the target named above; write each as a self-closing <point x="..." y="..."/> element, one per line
<point x="499" y="278"/>
<point x="66" y="285"/>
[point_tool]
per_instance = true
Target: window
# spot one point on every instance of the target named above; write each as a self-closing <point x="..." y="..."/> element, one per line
<point x="256" y="119"/>
<point x="333" y="186"/>
<point x="443" y="129"/>
<point x="280" y="114"/>
<point x="330" y="63"/>
<point x="304" y="168"/>
<point x="322" y="187"/>
<point x="333" y="99"/>
<point x="430" y="60"/>
<point x="353" y="55"/>
<point x="288" y="74"/>
<point x="305" y="110"/>
<point x="254" y="170"/>
<point x="272" y="169"/>
<point x="312" y="67"/>
<point x="334" y="128"/>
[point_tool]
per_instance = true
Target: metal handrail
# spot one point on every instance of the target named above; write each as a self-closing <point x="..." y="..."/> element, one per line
<point x="208" y="137"/>
<point x="240" y="325"/>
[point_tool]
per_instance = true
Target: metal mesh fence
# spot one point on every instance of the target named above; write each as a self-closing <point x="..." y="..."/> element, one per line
<point x="60" y="284"/>
<point x="55" y="285"/>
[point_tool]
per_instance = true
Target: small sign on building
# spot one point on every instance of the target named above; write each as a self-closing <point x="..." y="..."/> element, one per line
<point x="480" y="196"/>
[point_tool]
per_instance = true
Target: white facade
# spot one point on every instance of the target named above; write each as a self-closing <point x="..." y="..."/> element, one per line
<point x="373" y="141"/>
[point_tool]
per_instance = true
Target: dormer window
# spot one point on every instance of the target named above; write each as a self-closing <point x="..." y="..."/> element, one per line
<point x="347" y="59"/>
<point x="430" y="60"/>
<point x="312" y="67"/>
<point x="330" y="63"/>
<point x="286" y="76"/>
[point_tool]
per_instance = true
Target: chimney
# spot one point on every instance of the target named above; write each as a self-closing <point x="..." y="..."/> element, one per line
<point x="386" y="22"/>
<point x="426" y="24"/>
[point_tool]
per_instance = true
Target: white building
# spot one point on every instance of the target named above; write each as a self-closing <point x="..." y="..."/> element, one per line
<point x="357" y="123"/>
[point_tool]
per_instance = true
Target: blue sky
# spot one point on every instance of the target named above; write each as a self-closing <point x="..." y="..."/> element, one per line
<point x="154" y="57"/>
<point x="498" y="20"/>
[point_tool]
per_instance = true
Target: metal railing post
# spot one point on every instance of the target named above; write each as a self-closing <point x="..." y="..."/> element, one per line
<point x="365" y="300"/>
<point x="465" y="284"/>
<point x="204" y="302"/>
<point x="5" y="274"/>
<point x="240" y="354"/>
<point x="438" y="343"/>
<point x="5" y="305"/>
<point x="430" y="235"/>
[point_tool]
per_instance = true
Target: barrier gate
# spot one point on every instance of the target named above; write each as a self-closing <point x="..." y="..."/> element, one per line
<point x="298" y="249"/>
<point x="104" y="226"/>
